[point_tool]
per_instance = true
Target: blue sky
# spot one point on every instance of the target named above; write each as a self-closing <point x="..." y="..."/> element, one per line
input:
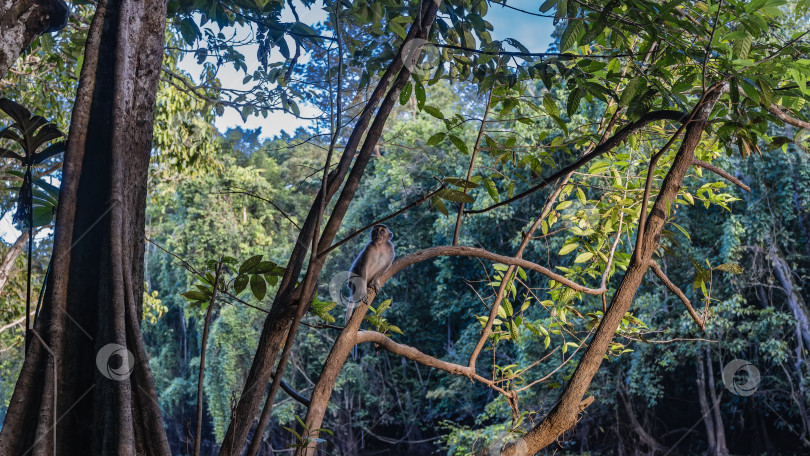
<point x="533" y="32"/>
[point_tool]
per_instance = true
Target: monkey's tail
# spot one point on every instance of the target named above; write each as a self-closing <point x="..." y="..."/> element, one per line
<point x="349" y="310"/>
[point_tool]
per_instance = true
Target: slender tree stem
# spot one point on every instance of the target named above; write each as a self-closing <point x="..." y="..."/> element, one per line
<point x="203" y="345"/>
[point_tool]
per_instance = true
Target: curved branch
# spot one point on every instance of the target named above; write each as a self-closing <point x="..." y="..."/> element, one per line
<point x="413" y="354"/>
<point x="457" y="250"/>
<point x="722" y="173"/>
<point x="673" y="288"/>
<point x="615" y="140"/>
<point x="786" y="118"/>
<point x="295" y="395"/>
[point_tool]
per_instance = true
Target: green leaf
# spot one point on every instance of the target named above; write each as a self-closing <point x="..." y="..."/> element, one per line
<point x="492" y="190"/>
<point x="258" y="286"/>
<point x="405" y="95"/>
<point x="50" y="151"/>
<point x="433" y="111"/>
<point x="194" y="296"/>
<point x="630" y="91"/>
<point x="455" y="196"/>
<point x="547" y="5"/>
<point x="249" y="264"/>
<point x="419" y="91"/>
<point x="398" y="29"/>
<point x="507" y="307"/>
<point x="458" y="143"/>
<point x="731" y="268"/>
<point x="742" y="46"/>
<point x="583" y="257"/>
<point x="572" y="104"/>
<point x="550" y="105"/>
<point x="240" y="283"/>
<point x="571" y="35"/>
<point x="435" y="139"/>
<point x="439" y="205"/>
<point x="460" y="182"/>
<point x="568" y="248"/>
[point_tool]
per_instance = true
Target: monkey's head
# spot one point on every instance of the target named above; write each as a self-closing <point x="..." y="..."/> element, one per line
<point x="381" y="233"/>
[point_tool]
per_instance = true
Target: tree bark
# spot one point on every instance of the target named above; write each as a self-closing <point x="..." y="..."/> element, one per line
<point x="8" y="259"/>
<point x="289" y="296"/>
<point x="22" y="21"/>
<point x="705" y="410"/>
<point x="721" y="449"/>
<point x="794" y="299"/>
<point x="85" y="387"/>
<point x="564" y="414"/>
<point x="653" y="446"/>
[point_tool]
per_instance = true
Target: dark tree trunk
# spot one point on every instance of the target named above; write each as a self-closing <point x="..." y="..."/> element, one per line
<point x="22" y="21"/>
<point x="719" y="428"/>
<point x="290" y="295"/>
<point x="564" y="414"/>
<point x="85" y="387"/>
<point x="705" y="409"/>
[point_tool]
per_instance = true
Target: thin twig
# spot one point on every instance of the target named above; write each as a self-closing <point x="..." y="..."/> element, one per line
<point x="722" y="173"/>
<point x="701" y="322"/>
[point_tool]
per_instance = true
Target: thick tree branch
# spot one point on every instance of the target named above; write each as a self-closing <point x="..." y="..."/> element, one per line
<point x="291" y="296"/>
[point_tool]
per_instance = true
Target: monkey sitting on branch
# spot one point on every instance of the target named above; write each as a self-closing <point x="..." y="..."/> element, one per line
<point x="373" y="261"/>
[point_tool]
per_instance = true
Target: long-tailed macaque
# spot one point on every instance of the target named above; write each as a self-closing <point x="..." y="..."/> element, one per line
<point x="373" y="261"/>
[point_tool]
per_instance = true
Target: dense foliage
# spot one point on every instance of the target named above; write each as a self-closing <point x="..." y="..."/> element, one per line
<point x="473" y="134"/>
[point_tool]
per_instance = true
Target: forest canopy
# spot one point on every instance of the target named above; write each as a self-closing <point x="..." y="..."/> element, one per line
<point x="600" y="245"/>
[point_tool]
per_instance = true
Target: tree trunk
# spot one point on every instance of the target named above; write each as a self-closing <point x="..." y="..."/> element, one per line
<point x="289" y="296"/>
<point x="564" y="414"/>
<point x="794" y="299"/>
<point x="653" y="446"/>
<point x="719" y="428"/>
<point x="85" y="387"/>
<point x="22" y="21"/>
<point x="705" y="410"/>
<point x="8" y="260"/>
